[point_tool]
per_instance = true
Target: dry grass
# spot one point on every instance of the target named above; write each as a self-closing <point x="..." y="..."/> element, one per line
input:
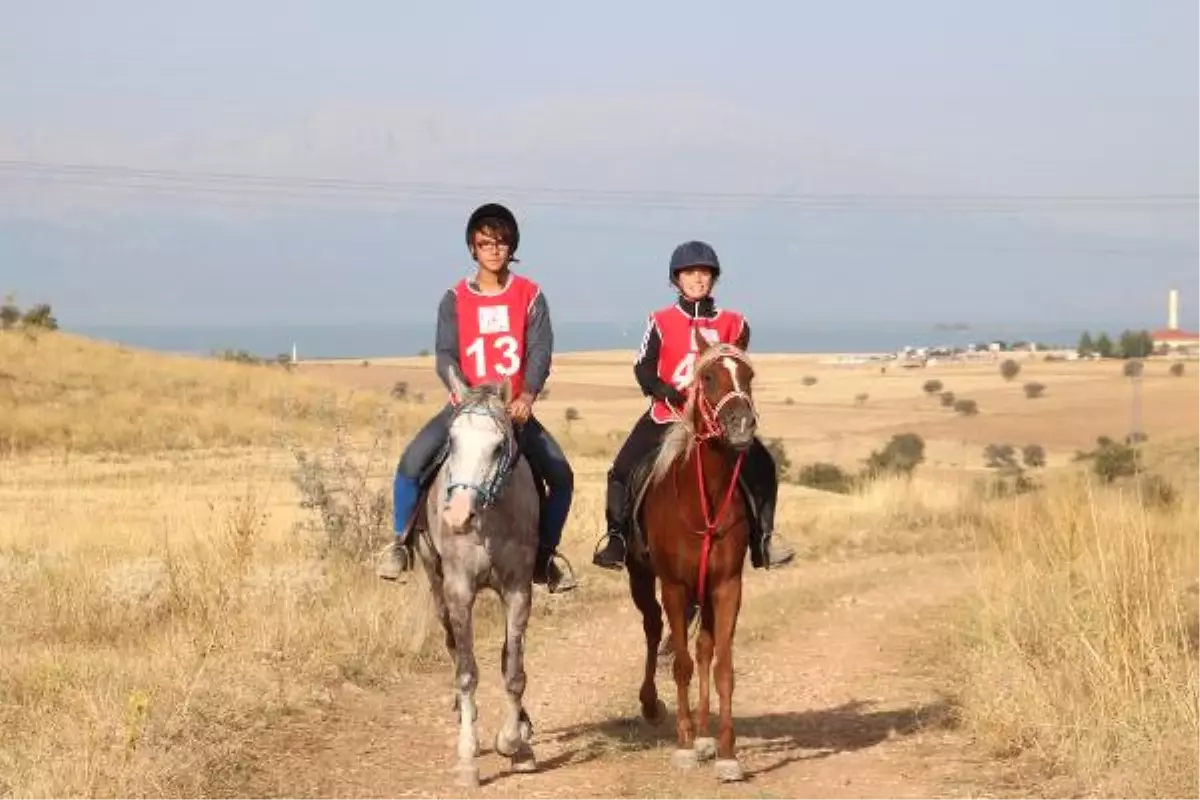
<point x="1083" y="651"/>
<point x="167" y="599"/>
<point x="65" y="393"/>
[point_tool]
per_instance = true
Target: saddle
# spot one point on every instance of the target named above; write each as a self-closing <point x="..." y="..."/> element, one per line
<point x="639" y="484"/>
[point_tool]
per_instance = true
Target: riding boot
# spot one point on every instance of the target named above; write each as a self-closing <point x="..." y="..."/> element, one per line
<point x="397" y="557"/>
<point x="612" y="554"/>
<point x="547" y="571"/>
<point x="767" y="550"/>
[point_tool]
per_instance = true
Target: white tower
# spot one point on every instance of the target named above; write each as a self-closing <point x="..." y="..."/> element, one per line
<point x="1173" y="310"/>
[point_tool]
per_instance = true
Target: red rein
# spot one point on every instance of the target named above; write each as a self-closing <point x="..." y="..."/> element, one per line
<point x="711" y="522"/>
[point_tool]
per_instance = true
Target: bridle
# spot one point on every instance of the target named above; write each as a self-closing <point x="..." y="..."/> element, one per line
<point x="714" y="429"/>
<point x="710" y="412"/>
<point x="490" y="488"/>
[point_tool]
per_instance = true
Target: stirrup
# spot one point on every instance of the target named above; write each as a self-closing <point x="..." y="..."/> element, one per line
<point x="568" y="580"/>
<point x="604" y="538"/>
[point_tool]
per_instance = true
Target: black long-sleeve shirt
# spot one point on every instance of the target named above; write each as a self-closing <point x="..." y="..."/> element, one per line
<point x="645" y="369"/>
<point x="539" y="342"/>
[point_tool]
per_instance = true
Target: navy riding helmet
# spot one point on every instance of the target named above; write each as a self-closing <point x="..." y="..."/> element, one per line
<point x="694" y="254"/>
<point x="497" y="212"/>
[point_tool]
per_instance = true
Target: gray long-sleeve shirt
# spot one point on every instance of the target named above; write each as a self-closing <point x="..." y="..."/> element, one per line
<point x="539" y="342"/>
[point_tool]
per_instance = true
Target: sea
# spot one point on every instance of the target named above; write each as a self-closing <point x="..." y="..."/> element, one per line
<point x="380" y="340"/>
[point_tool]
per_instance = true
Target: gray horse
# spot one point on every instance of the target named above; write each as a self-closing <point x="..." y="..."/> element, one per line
<point x="482" y="532"/>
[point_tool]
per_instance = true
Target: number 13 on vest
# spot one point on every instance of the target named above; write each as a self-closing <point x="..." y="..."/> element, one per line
<point x="504" y="358"/>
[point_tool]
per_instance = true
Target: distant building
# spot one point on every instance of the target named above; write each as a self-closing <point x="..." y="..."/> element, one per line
<point x="1171" y="339"/>
<point x="1175" y="341"/>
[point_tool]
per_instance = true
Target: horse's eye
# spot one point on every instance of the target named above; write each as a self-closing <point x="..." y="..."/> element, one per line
<point x="708" y="379"/>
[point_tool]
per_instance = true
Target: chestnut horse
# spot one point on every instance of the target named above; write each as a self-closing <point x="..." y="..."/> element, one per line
<point x="697" y="531"/>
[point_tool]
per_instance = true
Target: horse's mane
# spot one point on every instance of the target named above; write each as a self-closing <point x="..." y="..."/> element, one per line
<point x="680" y="437"/>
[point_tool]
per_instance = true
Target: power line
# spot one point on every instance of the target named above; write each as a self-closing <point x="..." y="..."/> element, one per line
<point x="245" y="185"/>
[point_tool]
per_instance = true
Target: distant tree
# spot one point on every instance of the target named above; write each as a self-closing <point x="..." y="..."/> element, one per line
<point x="1132" y="369"/>
<point x="424" y="353"/>
<point x="1034" y="390"/>
<point x="861" y="399"/>
<point x="825" y="476"/>
<point x="571" y="415"/>
<point x="1000" y="456"/>
<point x="808" y="380"/>
<point x="932" y="386"/>
<point x="39" y="316"/>
<point x="1034" y="455"/>
<point x="1177" y="369"/>
<point x="1135" y="344"/>
<point x="1009" y="369"/>
<point x="1104" y="346"/>
<point x="400" y="390"/>
<point x="1086" y="346"/>
<point x="10" y="313"/>
<point x="901" y="455"/>
<point x="966" y="407"/>
<point x="947" y="399"/>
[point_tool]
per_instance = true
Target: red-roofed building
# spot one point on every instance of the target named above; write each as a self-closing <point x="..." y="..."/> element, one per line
<point x="1174" y="340"/>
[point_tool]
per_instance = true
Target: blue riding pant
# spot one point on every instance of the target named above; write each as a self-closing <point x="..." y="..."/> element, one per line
<point x="546" y="459"/>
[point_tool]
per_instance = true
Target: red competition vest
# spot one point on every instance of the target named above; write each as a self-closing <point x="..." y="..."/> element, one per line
<point x="677" y="348"/>
<point x="491" y="331"/>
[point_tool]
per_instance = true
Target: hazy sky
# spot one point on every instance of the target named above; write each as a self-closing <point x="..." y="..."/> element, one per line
<point x="305" y="162"/>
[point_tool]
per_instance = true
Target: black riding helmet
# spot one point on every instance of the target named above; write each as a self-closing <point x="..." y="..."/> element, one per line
<point x="494" y="215"/>
<point x="694" y="254"/>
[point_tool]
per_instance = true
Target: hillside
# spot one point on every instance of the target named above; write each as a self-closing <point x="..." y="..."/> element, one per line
<point x="64" y="392"/>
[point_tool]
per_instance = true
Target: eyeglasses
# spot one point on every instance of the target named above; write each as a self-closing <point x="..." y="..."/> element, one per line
<point x="491" y="244"/>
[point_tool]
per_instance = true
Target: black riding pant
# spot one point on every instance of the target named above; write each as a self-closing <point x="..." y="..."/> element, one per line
<point x="758" y="470"/>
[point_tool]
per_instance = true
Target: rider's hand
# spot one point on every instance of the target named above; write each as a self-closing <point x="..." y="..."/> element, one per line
<point x="521" y="407"/>
<point x="674" y="396"/>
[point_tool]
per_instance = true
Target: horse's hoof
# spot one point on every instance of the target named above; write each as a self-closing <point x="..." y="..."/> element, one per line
<point x="706" y="747"/>
<point x="657" y="714"/>
<point x="466" y="776"/>
<point x="524" y="760"/>
<point x="729" y="770"/>
<point x="684" y="759"/>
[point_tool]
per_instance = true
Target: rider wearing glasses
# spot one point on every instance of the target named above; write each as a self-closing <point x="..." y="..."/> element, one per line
<point x="491" y="327"/>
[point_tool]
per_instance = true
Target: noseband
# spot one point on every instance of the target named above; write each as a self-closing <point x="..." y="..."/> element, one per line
<point x="493" y="484"/>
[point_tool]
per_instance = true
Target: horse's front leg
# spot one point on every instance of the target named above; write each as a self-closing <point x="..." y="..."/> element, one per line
<point x="706" y="746"/>
<point x="513" y="738"/>
<point x="727" y="602"/>
<point x="460" y="602"/>
<point x="641" y="587"/>
<point x="675" y="599"/>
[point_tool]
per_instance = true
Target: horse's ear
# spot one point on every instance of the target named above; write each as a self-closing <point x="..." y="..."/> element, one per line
<point x="699" y="340"/>
<point x="457" y="387"/>
<point x="743" y="340"/>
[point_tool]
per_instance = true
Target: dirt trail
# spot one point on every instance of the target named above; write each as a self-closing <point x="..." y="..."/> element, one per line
<point x="827" y="704"/>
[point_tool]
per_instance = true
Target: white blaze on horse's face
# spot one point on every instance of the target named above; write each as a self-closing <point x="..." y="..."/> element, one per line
<point x="738" y="418"/>
<point x="476" y="445"/>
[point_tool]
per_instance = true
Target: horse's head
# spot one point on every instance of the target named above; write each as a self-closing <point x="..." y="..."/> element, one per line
<point x="723" y="397"/>
<point x="482" y="449"/>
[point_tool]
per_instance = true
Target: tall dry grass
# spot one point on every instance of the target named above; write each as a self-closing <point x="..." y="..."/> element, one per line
<point x="1082" y="653"/>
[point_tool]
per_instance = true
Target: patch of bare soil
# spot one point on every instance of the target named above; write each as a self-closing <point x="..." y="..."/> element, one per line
<point x="829" y="702"/>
